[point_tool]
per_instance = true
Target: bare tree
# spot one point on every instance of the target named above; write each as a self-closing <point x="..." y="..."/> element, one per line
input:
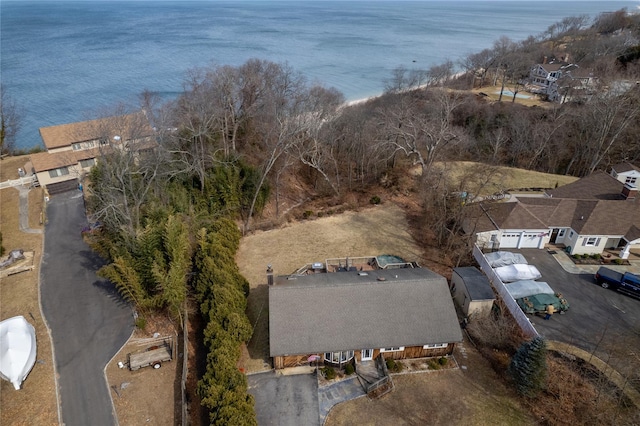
<point x="313" y="149"/>
<point x="403" y="79"/>
<point x="600" y="128"/>
<point x="10" y="120"/>
<point x="128" y="166"/>
<point x="420" y="129"/>
<point x="479" y="64"/>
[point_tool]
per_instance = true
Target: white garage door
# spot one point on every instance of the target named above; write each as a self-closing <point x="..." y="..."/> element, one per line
<point x="530" y="241"/>
<point x="509" y="240"/>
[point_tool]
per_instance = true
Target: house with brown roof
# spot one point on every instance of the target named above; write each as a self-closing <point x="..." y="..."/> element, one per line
<point x="72" y="149"/>
<point x="626" y="173"/>
<point x="587" y="216"/>
<point x="356" y="316"/>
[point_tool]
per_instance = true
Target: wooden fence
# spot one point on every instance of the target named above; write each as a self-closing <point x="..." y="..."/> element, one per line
<point x="521" y="318"/>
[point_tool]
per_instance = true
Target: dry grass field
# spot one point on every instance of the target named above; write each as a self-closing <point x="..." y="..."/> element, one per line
<point x="35" y="403"/>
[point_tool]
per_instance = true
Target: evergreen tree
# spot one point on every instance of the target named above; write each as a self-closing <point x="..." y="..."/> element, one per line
<point x="528" y="367"/>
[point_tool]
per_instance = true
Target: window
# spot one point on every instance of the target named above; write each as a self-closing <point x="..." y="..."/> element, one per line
<point x="591" y="241"/>
<point x="435" y="346"/>
<point x="571" y="234"/>
<point x="631" y="180"/>
<point x="338" y="357"/>
<point x="392" y="349"/>
<point x="58" y="172"/>
<point x="76" y="146"/>
<point x="87" y="163"/>
<point x="561" y="233"/>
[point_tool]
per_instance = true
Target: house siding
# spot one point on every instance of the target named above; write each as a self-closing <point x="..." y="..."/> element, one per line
<point x="288" y="361"/>
<point x="580" y="248"/>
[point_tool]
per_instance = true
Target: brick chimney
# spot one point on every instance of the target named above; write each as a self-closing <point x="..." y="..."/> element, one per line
<point x="629" y="191"/>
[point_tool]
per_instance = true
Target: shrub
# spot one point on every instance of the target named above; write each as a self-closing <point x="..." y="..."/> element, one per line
<point x="391" y="364"/>
<point x="320" y="214"/>
<point x="394" y="366"/>
<point x="618" y="261"/>
<point x="141" y="322"/>
<point x="375" y="200"/>
<point x="349" y="369"/>
<point x="307" y="214"/>
<point x="577" y="256"/>
<point x="433" y="364"/>
<point x="329" y="373"/>
<point x="443" y="360"/>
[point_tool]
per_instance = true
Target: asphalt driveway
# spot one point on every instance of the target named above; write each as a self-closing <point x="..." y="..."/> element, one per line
<point x="285" y="400"/>
<point x="89" y="322"/>
<point x="598" y="319"/>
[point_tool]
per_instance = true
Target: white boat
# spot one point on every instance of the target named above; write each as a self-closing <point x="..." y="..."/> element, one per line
<point x="17" y="349"/>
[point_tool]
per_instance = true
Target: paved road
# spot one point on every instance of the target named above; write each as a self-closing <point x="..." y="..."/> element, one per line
<point x="89" y="323"/>
<point x="285" y="400"/>
<point x="597" y="318"/>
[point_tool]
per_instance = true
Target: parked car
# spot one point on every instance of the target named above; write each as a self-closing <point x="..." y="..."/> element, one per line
<point x="537" y="303"/>
<point x="626" y="282"/>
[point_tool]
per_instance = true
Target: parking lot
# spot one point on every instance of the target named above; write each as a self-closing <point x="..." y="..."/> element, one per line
<point x="600" y="321"/>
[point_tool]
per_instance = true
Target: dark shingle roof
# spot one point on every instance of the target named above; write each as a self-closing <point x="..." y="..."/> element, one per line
<point x="625" y="167"/>
<point x="476" y="282"/>
<point x="346" y="311"/>
<point x="597" y="186"/>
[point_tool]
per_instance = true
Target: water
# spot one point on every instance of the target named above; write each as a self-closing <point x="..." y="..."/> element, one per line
<point x="65" y="61"/>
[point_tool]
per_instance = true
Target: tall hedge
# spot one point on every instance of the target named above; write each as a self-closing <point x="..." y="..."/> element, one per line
<point x="222" y="293"/>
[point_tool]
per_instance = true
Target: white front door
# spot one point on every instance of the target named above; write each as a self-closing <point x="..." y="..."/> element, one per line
<point x="367" y="354"/>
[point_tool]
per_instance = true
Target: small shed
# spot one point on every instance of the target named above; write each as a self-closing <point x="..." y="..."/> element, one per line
<point x="472" y="291"/>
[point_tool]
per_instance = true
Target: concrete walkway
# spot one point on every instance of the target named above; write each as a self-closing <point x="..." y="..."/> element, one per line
<point x="335" y="393"/>
<point x="603" y="367"/>
<point x="24" y="211"/>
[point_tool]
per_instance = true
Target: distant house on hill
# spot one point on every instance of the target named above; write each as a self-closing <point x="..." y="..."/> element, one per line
<point x="72" y="149"/>
<point x="354" y="316"/>
<point x="559" y="81"/>
<point x="597" y="212"/>
<point x="543" y="80"/>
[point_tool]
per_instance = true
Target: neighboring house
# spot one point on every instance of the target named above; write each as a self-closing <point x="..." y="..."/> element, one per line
<point x="557" y="81"/>
<point x="590" y="215"/>
<point x="342" y="316"/>
<point x="72" y="149"/>
<point x="543" y="80"/>
<point x="626" y="173"/>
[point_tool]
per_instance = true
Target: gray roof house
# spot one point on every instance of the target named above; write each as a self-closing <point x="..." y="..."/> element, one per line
<point x="401" y="313"/>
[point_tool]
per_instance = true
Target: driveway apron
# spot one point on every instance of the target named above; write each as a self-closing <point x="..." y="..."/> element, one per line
<point x="89" y="322"/>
